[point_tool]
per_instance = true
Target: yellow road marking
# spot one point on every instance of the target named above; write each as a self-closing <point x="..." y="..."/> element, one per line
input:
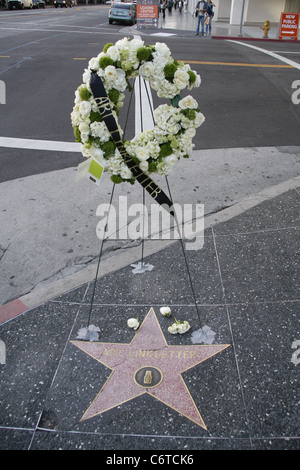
<point x="4" y="55"/>
<point x="238" y="64"/>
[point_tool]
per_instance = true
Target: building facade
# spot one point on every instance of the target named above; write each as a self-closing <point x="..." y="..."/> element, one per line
<point x="254" y="11"/>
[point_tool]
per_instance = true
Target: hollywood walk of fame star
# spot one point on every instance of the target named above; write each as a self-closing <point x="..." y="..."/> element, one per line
<point x="147" y="365"/>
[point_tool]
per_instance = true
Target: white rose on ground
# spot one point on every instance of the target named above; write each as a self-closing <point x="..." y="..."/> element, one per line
<point x="173" y="329"/>
<point x="183" y="327"/>
<point x="165" y="311"/>
<point x="133" y="323"/>
<point x="179" y="327"/>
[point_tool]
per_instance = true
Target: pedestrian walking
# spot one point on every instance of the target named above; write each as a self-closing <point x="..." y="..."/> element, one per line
<point x="209" y="17"/>
<point x="180" y="5"/>
<point x="163" y="6"/>
<point x="201" y="8"/>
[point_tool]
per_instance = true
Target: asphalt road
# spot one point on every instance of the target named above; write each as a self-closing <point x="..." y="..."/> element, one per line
<point x="248" y="143"/>
<point x="44" y="52"/>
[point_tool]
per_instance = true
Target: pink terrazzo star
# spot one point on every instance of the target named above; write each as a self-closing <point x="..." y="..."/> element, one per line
<point x="147" y="365"/>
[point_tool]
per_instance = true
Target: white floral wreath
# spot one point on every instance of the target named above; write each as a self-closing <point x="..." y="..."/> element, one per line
<point x="154" y="150"/>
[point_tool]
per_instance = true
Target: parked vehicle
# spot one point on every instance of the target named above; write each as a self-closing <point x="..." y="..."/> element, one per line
<point x="38" y="4"/>
<point x="19" y="4"/>
<point x="63" y="3"/>
<point x="122" y="13"/>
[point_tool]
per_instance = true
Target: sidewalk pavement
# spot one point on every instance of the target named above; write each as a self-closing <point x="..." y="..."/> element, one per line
<point x="176" y="23"/>
<point x="246" y="283"/>
<point x="238" y="391"/>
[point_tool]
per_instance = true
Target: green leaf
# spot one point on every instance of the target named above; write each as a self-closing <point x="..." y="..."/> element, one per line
<point x="175" y="101"/>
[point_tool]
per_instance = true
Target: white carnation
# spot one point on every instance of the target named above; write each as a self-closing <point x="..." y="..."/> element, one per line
<point x="162" y="49"/>
<point x="85" y="108"/>
<point x="113" y="53"/>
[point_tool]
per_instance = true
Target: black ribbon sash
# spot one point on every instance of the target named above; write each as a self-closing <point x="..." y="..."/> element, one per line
<point x="105" y="111"/>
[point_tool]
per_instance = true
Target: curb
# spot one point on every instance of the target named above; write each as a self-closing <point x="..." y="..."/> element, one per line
<point x="115" y="262"/>
<point x="237" y="38"/>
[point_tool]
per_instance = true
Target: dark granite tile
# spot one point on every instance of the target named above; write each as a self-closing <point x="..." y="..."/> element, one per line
<point x="73" y="296"/>
<point x="168" y="282"/>
<point x="284" y="443"/>
<point x="15" y="439"/>
<point x="260" y="266"/>
<point x="44" y="440"/>
<point x="263" y="337"/>
<point x="34" y="345"/>
<point x="279" y="212"/>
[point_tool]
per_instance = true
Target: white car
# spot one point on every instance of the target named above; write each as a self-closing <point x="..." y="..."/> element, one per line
<point x="19" y="4"/>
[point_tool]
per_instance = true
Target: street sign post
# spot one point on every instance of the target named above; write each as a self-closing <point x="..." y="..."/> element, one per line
<point x="289" y="25"/>
<point x="147" y="14"/>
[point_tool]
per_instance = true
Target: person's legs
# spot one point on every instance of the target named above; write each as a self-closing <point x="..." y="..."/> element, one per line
<point x="198" y="24"/>
<point x="200" y="20"/>
<point x="202" y="24"/>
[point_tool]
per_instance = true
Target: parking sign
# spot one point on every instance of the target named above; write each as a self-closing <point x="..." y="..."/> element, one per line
<point x="289" y="24"/>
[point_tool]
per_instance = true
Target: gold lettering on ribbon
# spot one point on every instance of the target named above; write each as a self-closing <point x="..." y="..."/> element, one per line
<point x="105" y="110"/>
<point x="104" y="106"/>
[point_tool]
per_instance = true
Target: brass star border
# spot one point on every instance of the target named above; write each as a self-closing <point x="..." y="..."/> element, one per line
<point x="147" y="365"/>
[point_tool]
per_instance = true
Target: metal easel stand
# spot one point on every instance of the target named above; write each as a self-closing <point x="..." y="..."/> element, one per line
<point x="91" y="332"/>
<point x="141" y="267"/>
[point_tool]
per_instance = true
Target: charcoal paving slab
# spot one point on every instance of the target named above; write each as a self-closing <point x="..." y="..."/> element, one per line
<point x="246" y="283"/>
<point x="261" y="266"/>
<point x="34" y="345"/>
<point x="279" y="212"/>
<point x="15" y="439"/>
<point x="263" y="337"/>
<point x="168" y="282"/>
<point x="69" y="441"/>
